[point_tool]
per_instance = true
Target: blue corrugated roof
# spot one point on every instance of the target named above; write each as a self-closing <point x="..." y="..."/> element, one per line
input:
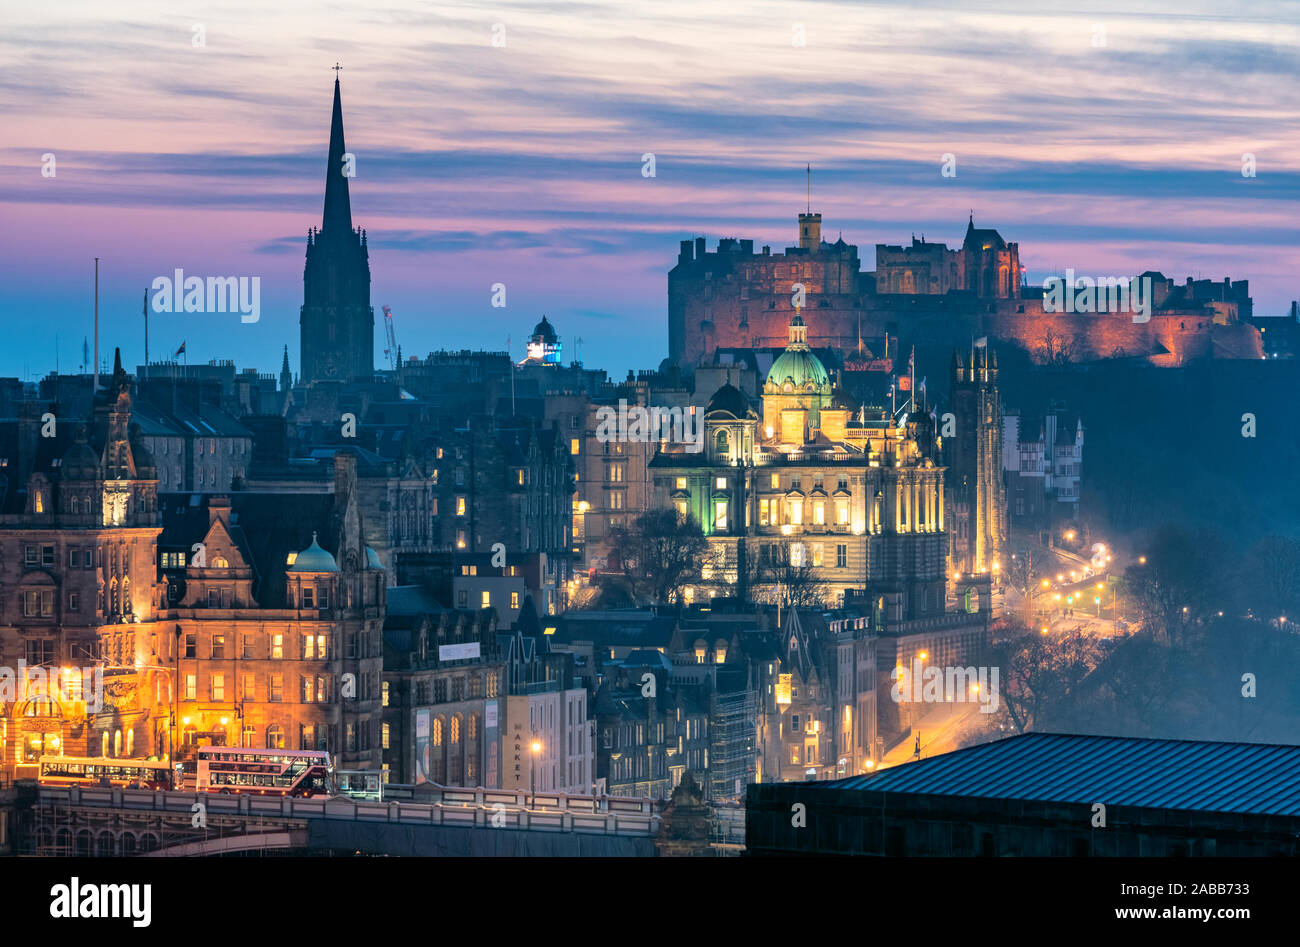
<point x="1117" y="771"/>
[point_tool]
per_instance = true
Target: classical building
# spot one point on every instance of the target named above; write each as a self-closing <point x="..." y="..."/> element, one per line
<point x="818" y="488"/>
<point x="337" y="322"/>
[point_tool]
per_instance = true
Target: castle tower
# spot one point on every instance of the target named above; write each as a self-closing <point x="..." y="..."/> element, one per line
<point x="810" y="231"/>
<point x="337" y="323"/>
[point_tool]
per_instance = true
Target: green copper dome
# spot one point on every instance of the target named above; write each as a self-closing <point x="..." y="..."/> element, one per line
<point x="314" y="559"/>
<point x="797" y="364"/>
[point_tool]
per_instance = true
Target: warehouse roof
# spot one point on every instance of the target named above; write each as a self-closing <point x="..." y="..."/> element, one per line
<point x="1118" y="771"/>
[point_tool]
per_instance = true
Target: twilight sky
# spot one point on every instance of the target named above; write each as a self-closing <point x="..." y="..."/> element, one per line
<point x="521" y="163"/>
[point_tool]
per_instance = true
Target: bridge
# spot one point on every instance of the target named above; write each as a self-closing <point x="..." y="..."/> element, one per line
<point x="424" y="820"/>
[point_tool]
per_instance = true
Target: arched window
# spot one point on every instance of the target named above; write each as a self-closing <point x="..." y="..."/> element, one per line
<point x="722" y="442"/>
<point x="103" y="744"/>
<point x="117" y="742"/>
<point x="130" y="742"/>
<point x="455" y="757"/>
<point x="472" y="751"/>
<point x="438" y="754"/>
<point x="275" y="737"/>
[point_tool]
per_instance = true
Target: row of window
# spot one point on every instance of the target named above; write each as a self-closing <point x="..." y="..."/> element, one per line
<point x="311" y="647"/>
<point x="485" y="599"/>
<point x="443" y="690"/>
<point x="312" y="688"/>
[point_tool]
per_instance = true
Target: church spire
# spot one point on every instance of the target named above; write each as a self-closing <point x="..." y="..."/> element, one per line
<point x="338" y="207"/>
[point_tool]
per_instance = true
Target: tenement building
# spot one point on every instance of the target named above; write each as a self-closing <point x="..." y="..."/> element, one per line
<point x="78" y="581"/>
<point x="273" y="629"/>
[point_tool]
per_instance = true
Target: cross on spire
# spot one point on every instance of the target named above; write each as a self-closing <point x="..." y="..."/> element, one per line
<point x="336" y="67"/>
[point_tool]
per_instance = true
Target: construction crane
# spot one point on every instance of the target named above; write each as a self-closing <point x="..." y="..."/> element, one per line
<point x="391" y="351"/>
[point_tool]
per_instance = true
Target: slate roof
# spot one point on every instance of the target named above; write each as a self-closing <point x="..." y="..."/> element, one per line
<point x="1193" y="775"/>
<point x="278" y="524"/>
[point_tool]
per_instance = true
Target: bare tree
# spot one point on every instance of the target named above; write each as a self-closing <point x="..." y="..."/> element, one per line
<point x="660" y="553"/>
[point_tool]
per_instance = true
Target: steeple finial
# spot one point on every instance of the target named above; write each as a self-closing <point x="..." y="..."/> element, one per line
<point x="809" y="169"/>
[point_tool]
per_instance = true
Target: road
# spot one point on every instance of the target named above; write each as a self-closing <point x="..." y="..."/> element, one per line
<point x="939" y="728"/>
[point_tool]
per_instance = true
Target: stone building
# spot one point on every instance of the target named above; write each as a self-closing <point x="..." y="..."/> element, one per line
<point x="926" y="293"/>
<point x="273" y="628"/>
<point x="1035" y="795"/>
<point x="973" y="462"/>
<point x="443" y="693"/>
<point x="78" y="580"/>
<point x="1042" y="459"/>
<point x="822" y="485"/>
<point x="986" y="266"/>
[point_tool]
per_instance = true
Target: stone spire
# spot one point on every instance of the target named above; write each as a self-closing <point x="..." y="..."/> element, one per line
<point x="286" y="378"/>
<point x="337" y="218"/>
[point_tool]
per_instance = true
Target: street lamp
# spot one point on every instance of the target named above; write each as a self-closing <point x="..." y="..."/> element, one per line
<point x="532" y="771"/>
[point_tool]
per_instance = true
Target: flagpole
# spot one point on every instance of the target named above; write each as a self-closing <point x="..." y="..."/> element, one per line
<point x="911" y="363"/>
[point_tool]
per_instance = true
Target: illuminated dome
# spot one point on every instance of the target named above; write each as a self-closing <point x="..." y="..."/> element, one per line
<point x="797" y="365"/>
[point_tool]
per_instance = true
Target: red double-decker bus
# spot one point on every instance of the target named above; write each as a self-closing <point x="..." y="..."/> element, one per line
<point x="264" y="772"/>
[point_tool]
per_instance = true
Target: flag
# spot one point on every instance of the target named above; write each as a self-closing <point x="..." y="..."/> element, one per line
<point x="921" y="387"/>
<point x="179" y="350"/>
<point x="911" y="359"/>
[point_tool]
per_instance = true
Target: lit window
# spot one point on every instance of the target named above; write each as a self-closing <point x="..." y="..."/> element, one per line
<point x="681" y="483"/>
<point x="575" y="446"/>
<point x="460" y="506"/>
<point x="776" y="481"/>
<point x="720" y="483"/>
<point x="487" y="599"/>
<point x="277" y="645"/>
<point x="514" y="599"/>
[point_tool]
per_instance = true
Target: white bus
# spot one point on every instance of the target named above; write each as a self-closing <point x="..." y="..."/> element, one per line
<point x="104" y="771"/>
